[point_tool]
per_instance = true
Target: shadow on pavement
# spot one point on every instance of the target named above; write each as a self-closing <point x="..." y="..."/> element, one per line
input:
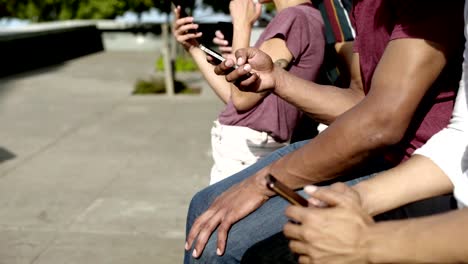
<point x="5" y="155"/>
<point x="7" y="82"/>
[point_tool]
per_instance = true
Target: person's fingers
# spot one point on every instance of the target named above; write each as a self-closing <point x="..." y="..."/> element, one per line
<point x="196" y="227"/>
<point x="205" y="232"/>
<point x="317" y="203"/>
<point x="298" y="247"/>
<point x="293" y="231"/>
<point x="298" y="214"/>
<point x="241" y="61"/>
<point x="242" y="55"/>
<point x="249" y="80"/>
<point x="310" y="189"/>
<point x="242" y="76"/>
<point x="211" y="60"/>
<point x="186" y="37"/>
<point x="223" y="230"/>
<point x="182" y="21"/>
<point x="219" y="34"/>
<point x="304" y="259"/>
<point x="233" y="76"/>
<point x="183" y="29"/>
<point x="329" y="196"/>
<point x="220" y="42"/>
<point x="225" y="68"/>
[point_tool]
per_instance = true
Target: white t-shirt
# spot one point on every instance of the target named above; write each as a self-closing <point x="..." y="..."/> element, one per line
<point x="449" y="148"/>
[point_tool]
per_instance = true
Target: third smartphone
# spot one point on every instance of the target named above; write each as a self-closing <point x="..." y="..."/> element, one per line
<point x="284" y="191"/>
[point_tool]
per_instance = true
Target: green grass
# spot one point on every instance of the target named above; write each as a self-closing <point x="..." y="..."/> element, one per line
<point x="182" y="64"/>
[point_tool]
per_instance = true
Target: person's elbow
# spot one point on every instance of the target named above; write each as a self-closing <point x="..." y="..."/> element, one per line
<point x="243" y="103"/>
<point x="386" y="128"/>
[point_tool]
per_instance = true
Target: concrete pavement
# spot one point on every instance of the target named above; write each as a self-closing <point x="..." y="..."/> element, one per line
<point x="89" y="173"/>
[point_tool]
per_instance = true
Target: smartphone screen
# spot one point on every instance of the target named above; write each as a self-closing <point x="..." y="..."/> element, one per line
<point x="285" y="192"/>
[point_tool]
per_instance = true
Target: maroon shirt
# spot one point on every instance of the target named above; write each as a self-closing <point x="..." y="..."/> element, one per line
<point x="379" y="21"/>
<point x="302" y="29"/>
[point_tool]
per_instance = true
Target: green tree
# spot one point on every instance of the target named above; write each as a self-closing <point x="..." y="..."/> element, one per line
<point x="140" y="6"/>
<point x="223" y="6"/>
<point x="47" y="10"/>
<point x="218" y="5"/>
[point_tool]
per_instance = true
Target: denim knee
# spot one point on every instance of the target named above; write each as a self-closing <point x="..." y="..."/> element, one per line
<point x="198" y="205"/>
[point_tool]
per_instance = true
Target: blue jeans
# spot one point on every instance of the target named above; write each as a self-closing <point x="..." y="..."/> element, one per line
<point x="267" y="220"/>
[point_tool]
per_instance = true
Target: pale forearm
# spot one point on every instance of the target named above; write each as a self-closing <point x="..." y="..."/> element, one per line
<point x="436" y="239"/>
<point x="324" y="103"/>
<point x="243" y="101"/>
<point x="218" y="83"/>
<point x="241" y="35"/>
<point x="416" y="179"/>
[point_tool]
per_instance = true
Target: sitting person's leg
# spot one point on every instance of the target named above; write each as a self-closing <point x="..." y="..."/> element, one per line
<point x="266" y="221"/>
<point x="203" y="199"/>
<point x="274" y="249"/>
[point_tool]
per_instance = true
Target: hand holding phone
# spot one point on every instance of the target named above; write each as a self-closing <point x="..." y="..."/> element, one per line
<point x="183" y="12"/>
<point x="285" y="192"/>
<point x="218" y="58"/>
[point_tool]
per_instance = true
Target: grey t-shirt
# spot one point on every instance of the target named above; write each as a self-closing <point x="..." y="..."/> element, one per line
<point x="302" y="28"/>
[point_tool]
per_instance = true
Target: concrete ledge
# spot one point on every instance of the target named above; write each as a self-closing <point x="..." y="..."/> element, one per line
<point x="34" y="46"/>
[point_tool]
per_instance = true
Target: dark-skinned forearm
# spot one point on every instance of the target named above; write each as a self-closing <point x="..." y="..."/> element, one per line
<point x="376" y="122"/>
<point x="348" y="141"/>
<point x="324" y="103"/>
<point x="436" y="239"/>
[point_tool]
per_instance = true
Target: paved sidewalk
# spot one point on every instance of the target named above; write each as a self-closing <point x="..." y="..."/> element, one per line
<point x="90" y="174"/>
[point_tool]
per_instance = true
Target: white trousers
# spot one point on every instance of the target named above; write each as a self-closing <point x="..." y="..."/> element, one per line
<point x="235" y="148"/>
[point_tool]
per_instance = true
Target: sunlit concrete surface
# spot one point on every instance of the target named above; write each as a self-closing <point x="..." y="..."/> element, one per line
<point x="90" y="173"/>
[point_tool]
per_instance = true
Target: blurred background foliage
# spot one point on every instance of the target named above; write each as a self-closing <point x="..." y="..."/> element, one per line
<point x="223" y="6"/>
<point x="49" y="10"/>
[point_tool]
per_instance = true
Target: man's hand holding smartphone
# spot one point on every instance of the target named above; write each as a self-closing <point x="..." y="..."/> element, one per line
<point x="292" y="197"/>
<point x="284" y="191"/>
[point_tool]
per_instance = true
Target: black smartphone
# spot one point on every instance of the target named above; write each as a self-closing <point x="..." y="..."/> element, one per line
<point x="184" y="10"/>
<point x="285" y="192"/>
<point x="218" y="58"/>
<point x="227" y="29"/>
